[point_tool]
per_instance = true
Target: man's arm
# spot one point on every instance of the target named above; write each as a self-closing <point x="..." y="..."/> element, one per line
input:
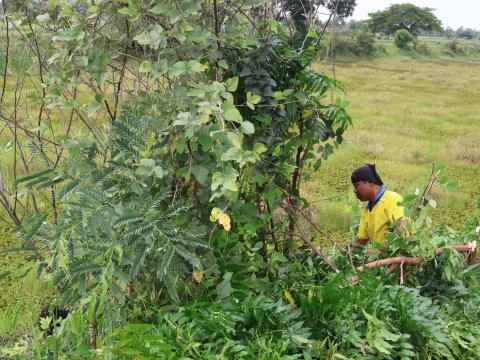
<point x="359" y="242"/>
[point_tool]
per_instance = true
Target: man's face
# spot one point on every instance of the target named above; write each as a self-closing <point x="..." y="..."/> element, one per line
<point x="362" y="189"/>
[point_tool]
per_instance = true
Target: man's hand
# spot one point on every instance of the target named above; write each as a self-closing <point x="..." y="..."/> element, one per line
<point x="356" y="244"/>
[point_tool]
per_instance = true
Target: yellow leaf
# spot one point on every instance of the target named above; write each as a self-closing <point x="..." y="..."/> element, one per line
<point x="215" y="213"/>
<point x="224" y="220"/>
<point x="198" y="276"/>
<point x="290" y="299"/>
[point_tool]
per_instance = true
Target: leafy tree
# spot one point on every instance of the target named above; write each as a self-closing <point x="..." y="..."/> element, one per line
<point x="209" y="136"/>
<point x="402" y="38"/>
<point x="467" y="33"/>
<point x="449" y="32"/>
<point x="404" y="16"/>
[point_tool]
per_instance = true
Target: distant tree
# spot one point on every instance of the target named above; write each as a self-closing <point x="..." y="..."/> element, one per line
<point x="449" y="32"/>
<point x="355" y="25"/>
<point x="466" y="33"/>
<point x="408" y="17"/>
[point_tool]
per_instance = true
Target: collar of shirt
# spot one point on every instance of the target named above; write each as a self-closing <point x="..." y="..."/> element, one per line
<point x="370" y="205"/>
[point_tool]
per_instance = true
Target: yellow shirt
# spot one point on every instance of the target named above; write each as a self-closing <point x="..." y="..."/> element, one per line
<point x="374" y="224"/>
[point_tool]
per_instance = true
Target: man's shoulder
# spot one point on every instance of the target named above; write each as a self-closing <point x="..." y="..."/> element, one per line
<point x="392" y="196"/>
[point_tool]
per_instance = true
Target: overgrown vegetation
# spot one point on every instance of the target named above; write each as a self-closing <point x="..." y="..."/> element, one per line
<point x="179" y="230"/>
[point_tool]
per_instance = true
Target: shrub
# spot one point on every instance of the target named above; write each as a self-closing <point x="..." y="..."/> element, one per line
<point x="341" y="45"/>
<point x="403" y="39"/>
<point x="454" y="47"/>
<point x="422" y="48"/>
<point x="361" y="43"/>
<point x="364" y="41"/>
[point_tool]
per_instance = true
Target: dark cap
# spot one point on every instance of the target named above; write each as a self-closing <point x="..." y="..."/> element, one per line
<point x="367" y="173"/>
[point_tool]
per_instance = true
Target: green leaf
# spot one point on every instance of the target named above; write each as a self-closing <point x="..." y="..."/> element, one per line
<point x="231" y="113"/>
<point x="150" y="163"/>
<point x="235" y="139"/>
<point x="247" y="127"/>
<point x="301" y="96"/>
<point x="143" y="38"/>
<point x="312" y="34"/>
<point x="45" y="322"/>
<point x="159" y="9"/>
<point x="99" y="98"/>
<point x="224" y="289"/>
<point x="66" y="12"/>
<point x="232" y="154"/>
<point x="299" y="340"/>
<point x="254" y="99"/>
<point x="217" y="180"/>
<point x="452" y="186"/>
<point x="223" y="64"/>
<point x="201" y="173"/>
<point x="230" y="179"/>
<point x="145" y="67"/>
<point x="43" y="18"/>
<point x="93" y="10"/>
<point x="259" y="148"/>
<point x="232" y="84"/>
<point x="158" y="172"/>
<point x="131" y="11"/>
<point x="440" y="166"/>
<point x="205" y="140"/>
<point x="178" y="68"/>
<point x="195" y="66"/>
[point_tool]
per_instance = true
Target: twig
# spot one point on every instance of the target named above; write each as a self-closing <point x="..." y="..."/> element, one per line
<point x="401" y="273"/>
<point x="324" y="233"/>
<point x="305" y="238"/>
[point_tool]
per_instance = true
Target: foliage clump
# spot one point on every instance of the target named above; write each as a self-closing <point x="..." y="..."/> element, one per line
<point x="403" y="39"/>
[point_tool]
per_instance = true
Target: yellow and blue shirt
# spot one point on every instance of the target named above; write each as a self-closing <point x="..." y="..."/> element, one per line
<point x="377" y="216"/>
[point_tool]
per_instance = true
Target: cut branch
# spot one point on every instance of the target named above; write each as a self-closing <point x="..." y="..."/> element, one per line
<point x="399" y="260"/>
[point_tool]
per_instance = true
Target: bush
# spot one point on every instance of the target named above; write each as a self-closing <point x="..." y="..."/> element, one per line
<point x="341" y="45"/>
<point x="364" y="41"/>
<point x="361" y="43"/>
<point x="402" y="39"/>
<point x="422" y="48"/>
<point x="454" y="47"/>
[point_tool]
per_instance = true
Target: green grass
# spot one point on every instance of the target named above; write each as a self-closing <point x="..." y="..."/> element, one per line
<point x="407" y="115"/>
<point x="22" y="295"/>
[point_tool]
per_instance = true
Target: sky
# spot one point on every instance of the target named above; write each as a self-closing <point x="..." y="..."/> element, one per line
<point x="453" y="13"/>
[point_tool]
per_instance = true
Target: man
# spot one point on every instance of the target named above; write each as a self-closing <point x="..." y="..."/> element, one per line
<point x="382" y="209"/>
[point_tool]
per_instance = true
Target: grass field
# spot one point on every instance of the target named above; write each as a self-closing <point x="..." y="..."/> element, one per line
<point x="407" y="115"/>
